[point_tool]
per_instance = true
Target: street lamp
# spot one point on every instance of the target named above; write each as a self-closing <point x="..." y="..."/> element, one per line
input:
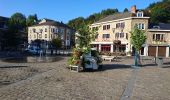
<point x="116" y="42"/>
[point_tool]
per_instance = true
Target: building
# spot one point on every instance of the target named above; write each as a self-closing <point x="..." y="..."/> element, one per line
<point x="47" y="30"/>
<point x="158" y="41"/>
<point x="118" y="27"/>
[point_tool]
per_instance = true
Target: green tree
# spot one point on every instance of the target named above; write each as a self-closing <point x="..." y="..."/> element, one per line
<point x="138" y="38"/>
<point x="75" y="23"/>
<point x="160" y="11"/>
<point x="126" y="10"/>
<point x="57" y="43"/>
<point x="17" y="22"/>
<point x="16" y="25"/>
<point x="31" y="20"/>
<point x="85" y="36"/>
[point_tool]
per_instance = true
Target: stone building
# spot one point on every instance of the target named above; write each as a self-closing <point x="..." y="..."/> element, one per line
<point x="47" y="30"/>
<point x="118" y="27"/>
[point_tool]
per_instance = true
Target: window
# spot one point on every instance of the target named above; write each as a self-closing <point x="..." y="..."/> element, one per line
<point x="158" y="37"/>
<point x="141" y="26"/>
<point x="56" y="30"/>
<point x="139" y="14"/>
<point x="106" y="27"/>
<point x="127" y="36"/>
<point x="120" y="25"/>
<point x="52" y="30"/>
<point x="45" y="29"/>
<point x="45" y="35"/>
<point x="34" y="36"/>
<point x="119" y="35"/>
<point x="40" y="36"/>
<point x="34" y="30"/>
<point x="106" y="35"/>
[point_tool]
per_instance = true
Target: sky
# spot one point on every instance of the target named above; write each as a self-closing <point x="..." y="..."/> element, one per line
<point x="65" y="10"/>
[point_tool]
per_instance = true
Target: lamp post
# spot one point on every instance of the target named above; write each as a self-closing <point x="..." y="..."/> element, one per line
<point x="116" y="42"/>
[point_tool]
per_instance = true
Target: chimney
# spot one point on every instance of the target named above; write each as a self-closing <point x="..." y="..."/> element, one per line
<point x="133" y="9"/>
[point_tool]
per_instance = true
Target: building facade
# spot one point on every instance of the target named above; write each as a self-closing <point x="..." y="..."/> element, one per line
<point x="158" y="41"/>
<point x="47" y="30"/>
<point x="118" y="27"/>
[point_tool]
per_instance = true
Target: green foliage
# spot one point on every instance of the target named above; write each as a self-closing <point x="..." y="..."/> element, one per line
<point x="31" y="20"/>
<point x="125" y="10"/>
<point x="85" y="36"/>
<point x="138" y="38"/>
<point x="77" y="22"/>
<point x="57" y="43"/>
<point x="160" y="12"/>
<point x="75" y="57"/>
<point x="17" y="22"/>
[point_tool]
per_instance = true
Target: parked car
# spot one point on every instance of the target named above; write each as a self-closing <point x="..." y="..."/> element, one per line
<point x="33" y="50"/>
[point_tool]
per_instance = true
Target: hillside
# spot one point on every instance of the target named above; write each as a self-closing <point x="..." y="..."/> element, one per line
<point x="158" y="11"/>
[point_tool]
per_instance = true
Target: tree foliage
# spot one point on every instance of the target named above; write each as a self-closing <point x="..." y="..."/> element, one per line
<point x="125" y="10"/>
<point x="31" y="20"/>
<point x="77" y="22"/>
<point x="57" y="43"/>
<point x="159" y="11"/>
<point x="138" y="38"/>
<point x="17" y="22"/>
<point x="85" y="36"/>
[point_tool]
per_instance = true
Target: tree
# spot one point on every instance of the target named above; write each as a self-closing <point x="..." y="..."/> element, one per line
<point x="126" y="10"/>
<point x="85" y="36"/>
<point x="138" y="38"/>
<point x="75" y="23"/>
<point x="57" y="43"/>
<point x="16" y="25"/>
<point x="31" y="20"/>
<point x="160" y="11"/>
<point x="17" y="22"/>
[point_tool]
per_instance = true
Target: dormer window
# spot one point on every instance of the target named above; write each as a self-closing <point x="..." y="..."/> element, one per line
<point x="156" y="27"/>
<point x="139" y="14"/>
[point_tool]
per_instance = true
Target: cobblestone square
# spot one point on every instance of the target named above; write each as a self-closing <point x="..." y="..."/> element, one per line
<point x="53" y="81"/>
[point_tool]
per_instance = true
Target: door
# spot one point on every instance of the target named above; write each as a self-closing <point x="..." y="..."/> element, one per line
<point x="152" y="51"/>
<point x="162" y="51"/>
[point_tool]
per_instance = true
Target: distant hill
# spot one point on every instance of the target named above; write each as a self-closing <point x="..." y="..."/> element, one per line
<point x="158" y="11"/>
<point x="75" y="23"/>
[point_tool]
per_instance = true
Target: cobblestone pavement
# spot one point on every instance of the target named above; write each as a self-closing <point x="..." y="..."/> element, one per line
<point x="53" y="81"/>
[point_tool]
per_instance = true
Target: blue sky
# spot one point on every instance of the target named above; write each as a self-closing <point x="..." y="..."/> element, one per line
<point x="65" y="10"/>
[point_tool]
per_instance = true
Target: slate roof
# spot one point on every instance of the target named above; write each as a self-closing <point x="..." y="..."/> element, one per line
<point x="161" y="26"/>
<point x="115" y="17"/>
<point x="3" y="18"/>
<point x="52" y="23"/>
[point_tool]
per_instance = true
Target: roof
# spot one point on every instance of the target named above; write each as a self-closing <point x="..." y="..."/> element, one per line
<point x="160" y="26"/>
<point x="52" y="23"/>
<point x="3" y="18"/>
<point x="115" y="17"/>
